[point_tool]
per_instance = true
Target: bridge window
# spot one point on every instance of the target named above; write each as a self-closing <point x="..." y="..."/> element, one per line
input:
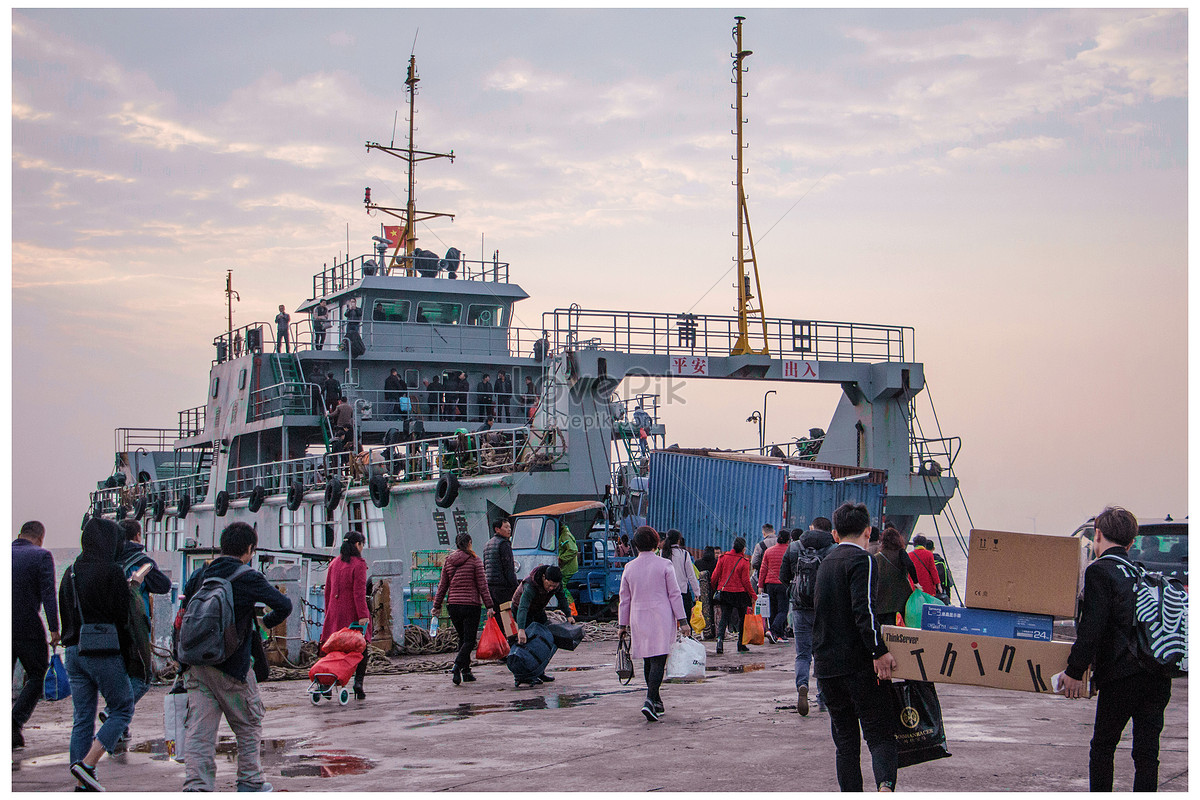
<point x="439" y="313"/>
<point x="390" y="311"/>
<point x="488" y="316"/>
<point x="323" y="532"/>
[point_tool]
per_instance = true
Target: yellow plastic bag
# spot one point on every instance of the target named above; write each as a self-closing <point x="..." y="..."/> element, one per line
<point x="697" y="617"/>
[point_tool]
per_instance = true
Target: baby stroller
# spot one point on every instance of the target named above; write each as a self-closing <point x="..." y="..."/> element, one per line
<point x="344" y="651"/>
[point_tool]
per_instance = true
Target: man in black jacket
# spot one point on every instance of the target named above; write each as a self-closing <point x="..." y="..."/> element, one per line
<point x="498" y="566"/>
<point x="32" y="590"/>
<point x="818" y="538"/>
<point x="853" y="664"/>
<point x="229" y="688"/>
<point x="504" y="389"/>
<point x="1104" y="638"/>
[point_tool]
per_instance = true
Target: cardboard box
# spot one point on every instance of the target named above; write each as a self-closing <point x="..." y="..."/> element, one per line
<point x="1026" y="572"/>
<point x="508" y="625"/>
<point x="964" y="658"/>
<point x="982" y="622"/>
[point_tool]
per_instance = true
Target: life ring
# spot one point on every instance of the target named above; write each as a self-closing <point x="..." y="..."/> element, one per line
<point x="185" y="503"/>
<point x="139" y="508"/>
<point x="160" y="508"/>
<point x="447" y="490"/>
<point x="380" y="493"/>
<point x="333" y="496"/>
<point x="257" y="495"/>
<point x="222" y="503"/>
<point x="295" y="495"/>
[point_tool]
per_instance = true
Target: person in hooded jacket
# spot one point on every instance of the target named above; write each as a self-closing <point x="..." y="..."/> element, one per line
<point x="346" y="599"/>
<point x="818" y="538"/>
<point x="94" y="590"/>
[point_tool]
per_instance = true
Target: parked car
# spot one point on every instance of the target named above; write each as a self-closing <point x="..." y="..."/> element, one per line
<point x="1161" y="545"/>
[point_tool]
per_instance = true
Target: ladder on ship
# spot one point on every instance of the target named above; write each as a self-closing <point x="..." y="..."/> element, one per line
<point x="295" y="392"/>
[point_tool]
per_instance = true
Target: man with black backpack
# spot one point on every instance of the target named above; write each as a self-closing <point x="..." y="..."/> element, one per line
<point x="1131" y="685"/>
<point x="216" y="623"/>
<point x="799" y="573"/>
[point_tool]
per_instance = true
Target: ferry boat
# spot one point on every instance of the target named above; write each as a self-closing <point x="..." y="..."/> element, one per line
<point x="415" y="466"/>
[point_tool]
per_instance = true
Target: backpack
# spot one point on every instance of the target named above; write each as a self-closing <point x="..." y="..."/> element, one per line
<point x="207" y="631"/>
<point x="1160" y="620"/>
<point x="804" y="579"/>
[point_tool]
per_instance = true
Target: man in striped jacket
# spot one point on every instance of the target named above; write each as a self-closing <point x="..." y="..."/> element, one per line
<point x="853" y="664"/>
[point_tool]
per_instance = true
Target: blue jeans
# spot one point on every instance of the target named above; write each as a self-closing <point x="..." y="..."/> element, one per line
<point x="91" y="676"/>
<point x="138" y="688"/>
<point x="802" y="628"/>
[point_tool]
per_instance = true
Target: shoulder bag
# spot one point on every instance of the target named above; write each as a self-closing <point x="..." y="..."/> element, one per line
<point x="95" y="638"/>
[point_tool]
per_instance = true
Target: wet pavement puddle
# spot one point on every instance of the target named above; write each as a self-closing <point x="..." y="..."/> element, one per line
<point x="581" y="668"/>
<point x="438" y="716"/>
<point x="276" y="755"/>
<point x="736" y="668"/>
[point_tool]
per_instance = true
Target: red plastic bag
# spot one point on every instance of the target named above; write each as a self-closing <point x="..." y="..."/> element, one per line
<point x="345" y="641"/>
<point x="753" y="631"/>
<point x="492" y="644"/>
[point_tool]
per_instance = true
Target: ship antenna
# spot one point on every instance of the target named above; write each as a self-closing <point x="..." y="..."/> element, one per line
<point x="410" y="215"/>
<point x="745" y="241"/>
<point x="230" y="296"/>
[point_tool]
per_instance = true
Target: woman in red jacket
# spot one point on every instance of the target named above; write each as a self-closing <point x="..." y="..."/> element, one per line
<point x="464" y="581"/>
<point x="346" y="598"/>
<point x="731" y="578"/>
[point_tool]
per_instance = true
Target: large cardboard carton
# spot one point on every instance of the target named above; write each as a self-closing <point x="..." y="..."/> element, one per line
<point x="1021" y="664"/>
<point x="984" y="622"/>
<point x="1027" y="572"/>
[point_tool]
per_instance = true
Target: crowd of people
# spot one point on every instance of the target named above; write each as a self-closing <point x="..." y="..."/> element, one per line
<point x="829" y="590"/>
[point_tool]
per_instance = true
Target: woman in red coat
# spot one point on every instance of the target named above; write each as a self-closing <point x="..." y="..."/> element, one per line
<point x="346" y="598"/>
<point x="731" y="577"/>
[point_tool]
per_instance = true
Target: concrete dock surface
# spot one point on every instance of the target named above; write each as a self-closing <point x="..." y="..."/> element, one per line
<point x="735" y="731"/>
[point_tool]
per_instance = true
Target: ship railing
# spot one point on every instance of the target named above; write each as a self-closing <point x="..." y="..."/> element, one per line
<point x="715" y="335"/>
<point x="127" y="440"/>
<point x="170" y="490"/>
<point x="934" y="456"/>
<point x="383" y="404"/>
<point x="191" y="421"/>
<point x="348" y="273"/>
<point x="282" y="399"/>
<point x="463" y="455"/>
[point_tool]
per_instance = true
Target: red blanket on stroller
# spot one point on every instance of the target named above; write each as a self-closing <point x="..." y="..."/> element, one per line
<point x="336" y="668"/>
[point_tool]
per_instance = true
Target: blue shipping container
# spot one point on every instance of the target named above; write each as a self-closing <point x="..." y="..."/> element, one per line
<point x="713" y="500"/>
<point x="982" y="622"/>
<point x="807" y="500"/>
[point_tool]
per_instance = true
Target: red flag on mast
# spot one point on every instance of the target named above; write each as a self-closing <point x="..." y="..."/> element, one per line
<point x="395" y="234"/>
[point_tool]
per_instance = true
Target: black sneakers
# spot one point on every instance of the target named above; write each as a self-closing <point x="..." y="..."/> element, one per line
<point x="547" y="678"/>
<point x="468" y="676"/>
<point x="659" y="708"/>
<point x="649" y="711"/>
<point x="86" y="776"/>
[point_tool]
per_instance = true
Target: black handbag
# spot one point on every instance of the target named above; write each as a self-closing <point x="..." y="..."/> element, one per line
<point x="624" y="659"/>
<point x="95" y="638"/>
<point x="920" y="735"/>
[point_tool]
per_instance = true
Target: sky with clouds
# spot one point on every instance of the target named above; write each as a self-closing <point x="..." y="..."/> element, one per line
<point x="1012" y="184"/>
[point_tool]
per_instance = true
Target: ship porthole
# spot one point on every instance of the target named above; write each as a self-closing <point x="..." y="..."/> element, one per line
<point x="447" y="490"/>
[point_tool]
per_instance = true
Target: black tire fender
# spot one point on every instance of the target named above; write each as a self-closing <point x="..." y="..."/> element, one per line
<point x="139" y="508"/>
<point x="185" y="503"/>
<point x="380" y="491"/>
<point x="257" y="495"/>
<point x="295" y="495"/>
<point x="333" y="496"/>
<point x="221" y="504"/>
<point x="447" y="490"/>
<point x="160" y="508"/>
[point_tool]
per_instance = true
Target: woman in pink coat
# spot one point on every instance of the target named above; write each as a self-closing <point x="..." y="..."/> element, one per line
<point x="346" y="598"/>
<point x="652" y="607"/>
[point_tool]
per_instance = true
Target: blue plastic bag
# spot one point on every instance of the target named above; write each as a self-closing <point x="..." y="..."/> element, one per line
<point x="56" y="686"/>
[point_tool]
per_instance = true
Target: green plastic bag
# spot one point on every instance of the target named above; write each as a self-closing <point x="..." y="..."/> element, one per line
<point x="912" y="609"/>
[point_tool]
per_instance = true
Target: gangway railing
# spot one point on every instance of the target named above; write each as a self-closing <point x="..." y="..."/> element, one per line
<point x="715" y="335"/>
<point x="191" y="421"/>
<point x="153" y="439"/>
<point x="935" y="456"/>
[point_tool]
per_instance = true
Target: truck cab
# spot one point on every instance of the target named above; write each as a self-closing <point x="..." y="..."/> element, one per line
<point x="535" y="540"/>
